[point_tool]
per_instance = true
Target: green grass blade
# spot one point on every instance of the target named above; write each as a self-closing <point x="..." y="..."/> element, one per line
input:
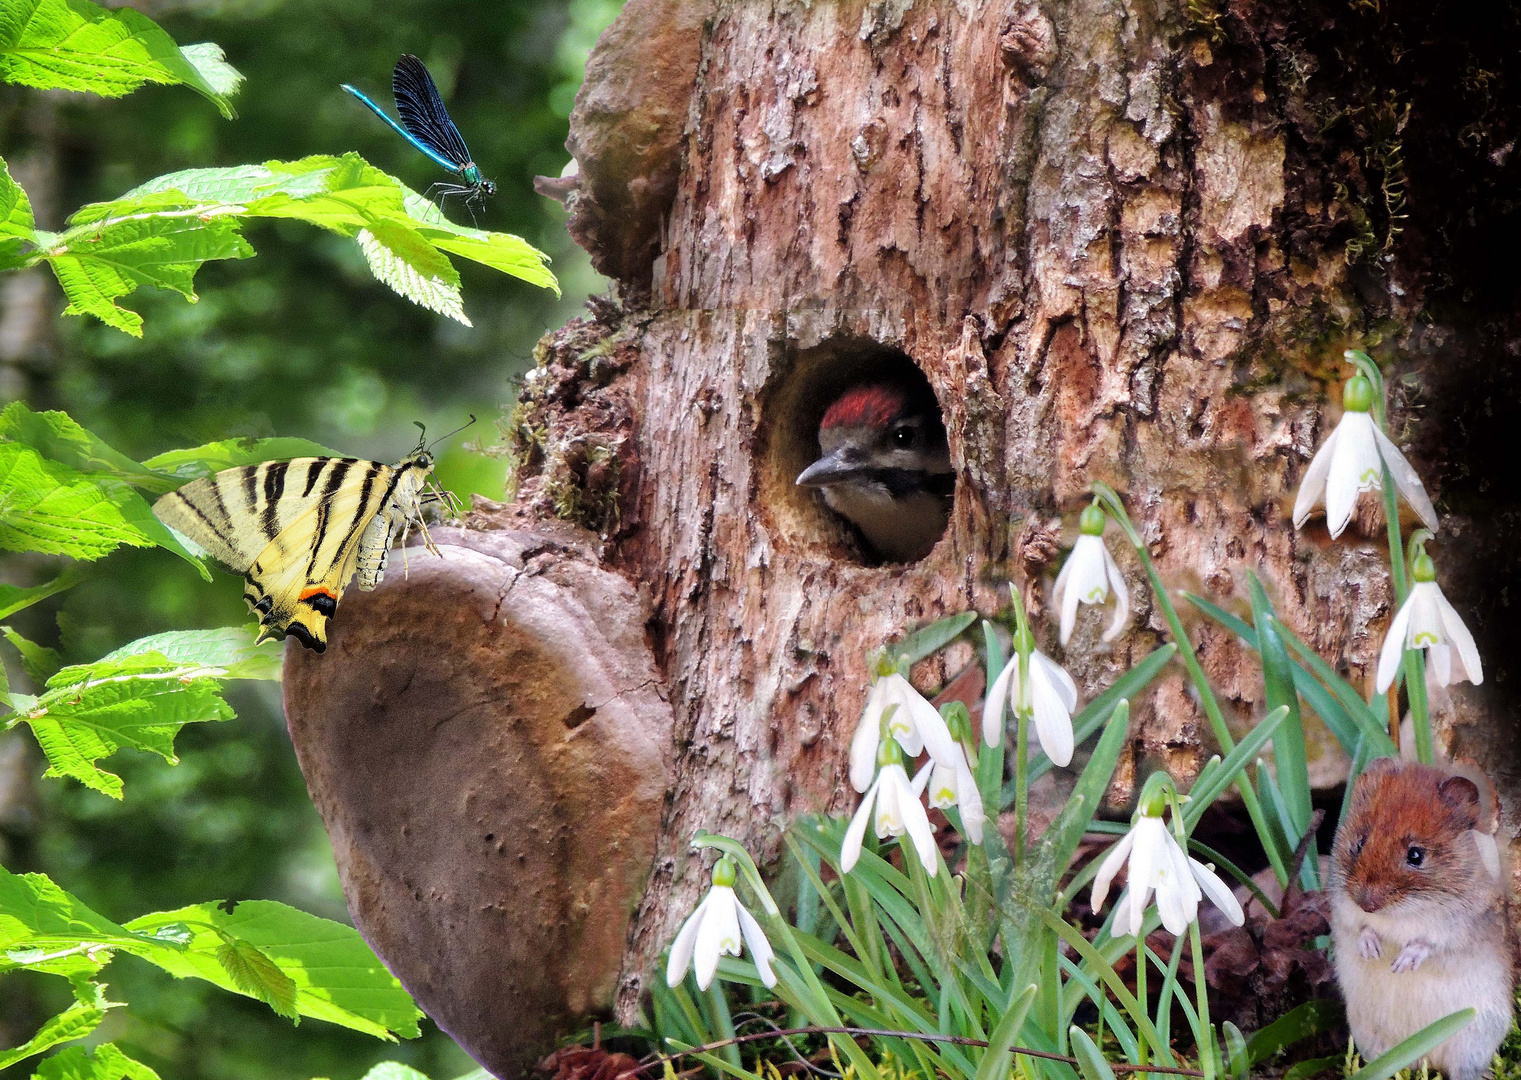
<point x="1088" y="1057"/>
<point x="1213" y="781"/>
<point x="1416" y="1047"/>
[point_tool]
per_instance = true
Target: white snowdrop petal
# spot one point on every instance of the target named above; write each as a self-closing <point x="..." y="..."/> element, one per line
<point x="710" y="939"/>
<point x="997" y="701"/>
<point x="1142" y="859"/>
<point x="1108" y="869"/>
<point x="1462" y="640"/>
<point x="863" y="744"/>
<point x="1406" y="480"/>
<point x="1393" y="652"/>
<point x="970" y="801"/>
<point x="1121" y="597"/>
<point x="1439" y="664"/>
<point x="760" y="948"/>
<point x="916" y="823"/>
<point x="1057" y="676"/>
<point x="1356" y="467"/>
<point x="942" y="786"/>
<point x="1173" y="908"/>
<point x="855" y="835"/>
<point x="1313" y="486"/>
<point x="1069" y="607"/>
<point x="1217" y="891"/>
<point x="889" y="817"/>
<point x="932" y="729"/>
<point x="1053" y="726"/>
<point x="681" y="948"/>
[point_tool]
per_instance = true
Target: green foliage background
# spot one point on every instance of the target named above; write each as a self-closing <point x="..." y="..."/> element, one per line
<point x="300" y="341"/>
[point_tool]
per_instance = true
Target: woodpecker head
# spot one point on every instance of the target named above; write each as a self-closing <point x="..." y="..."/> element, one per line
<point x="885" y="467"/>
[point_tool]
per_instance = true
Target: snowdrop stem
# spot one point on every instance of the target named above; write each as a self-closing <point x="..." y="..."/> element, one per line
<point x="1415" y="675"/>
<point x="1140" y="988"/>
<point x="1207" y="1057"/>
<point x="1111" y="500"/>
<point x="723" y="1023"/>
<point x="1021" y="761"/>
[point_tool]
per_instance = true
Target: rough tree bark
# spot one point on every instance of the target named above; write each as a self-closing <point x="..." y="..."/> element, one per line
<point x="1124" y="240"/>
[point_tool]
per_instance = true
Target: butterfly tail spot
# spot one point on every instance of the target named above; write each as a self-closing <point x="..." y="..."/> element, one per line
<point x="312" y="637"/>
<point x="321" y="599"/>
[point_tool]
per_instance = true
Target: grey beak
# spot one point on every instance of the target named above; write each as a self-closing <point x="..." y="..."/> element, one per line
<point x="830" y="469"/>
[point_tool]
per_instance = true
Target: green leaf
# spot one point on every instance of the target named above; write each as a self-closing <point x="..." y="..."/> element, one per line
<point x="39" y="662"/>
<point x="995" y="1059"/>
<point x="195" y="215"/>
<point x="257" y="975"/>
<point x="139" y="697"/>
<point x="201" y="461"/>
<point x="1417" y="1046"/>
<point x="400" y="257"/>
<point x="928" y="640"/>
<point x="336" y="976"/>
<point x="1218" y="775"/>
<point x="1088" y="1057"/>
<point x="43" y="928"/>
<point x="210" y="61"/>
<point x="14" y="598"/>
<point x="1289" y="753"/>
<point x="58" y="438"/>
<point x="122" y="254"/>
<point x="16" y="224"/>
<point x="229" y="649"/>
<point x="104" y="1062"/>
<point x="1060" y="840"/>
<point x="1302" y="1022"/>
<point x="49" y="508"/>
<point x="77" y="45"/>
<point x="75" y="1022"/>
<point x="395" y="1070"/>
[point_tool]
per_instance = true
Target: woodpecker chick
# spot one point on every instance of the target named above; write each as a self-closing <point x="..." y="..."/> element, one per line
<point x="886" y="468"/>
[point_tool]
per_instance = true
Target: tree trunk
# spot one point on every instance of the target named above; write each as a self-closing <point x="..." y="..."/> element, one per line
<point x="1124" y="241"/>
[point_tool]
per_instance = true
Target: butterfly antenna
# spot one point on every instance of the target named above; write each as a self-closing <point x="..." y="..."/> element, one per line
<point x="451" y="434"/>
<point x="422" y="437"/>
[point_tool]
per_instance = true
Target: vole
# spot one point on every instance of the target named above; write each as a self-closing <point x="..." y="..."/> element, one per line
<point x="1419" y="919"/>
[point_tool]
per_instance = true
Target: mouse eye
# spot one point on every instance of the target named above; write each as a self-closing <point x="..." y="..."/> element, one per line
<point x="1415" y="856"/>
<point x="1357" y="846"/>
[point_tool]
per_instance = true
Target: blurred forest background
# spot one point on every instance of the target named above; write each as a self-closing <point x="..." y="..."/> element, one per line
<point x="301" y="341"/>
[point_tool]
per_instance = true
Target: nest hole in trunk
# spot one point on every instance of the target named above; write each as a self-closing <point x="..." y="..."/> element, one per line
<point x="792" y="407"/>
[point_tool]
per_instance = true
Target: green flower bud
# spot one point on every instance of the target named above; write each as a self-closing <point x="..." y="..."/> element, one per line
<point x="1357" y="394"/>
<point x="1091" y="523"/>
<point x="1156" y="794"/>
<point x="725" y="872"/>
<point x="958" y="720"/>
<point x="1422" y="568"/>
<point x="889" y="753"/>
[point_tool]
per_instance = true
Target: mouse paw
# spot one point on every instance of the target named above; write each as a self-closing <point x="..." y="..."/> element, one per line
<point x="1410" y="956"/>
<point x="1369" y="947"/>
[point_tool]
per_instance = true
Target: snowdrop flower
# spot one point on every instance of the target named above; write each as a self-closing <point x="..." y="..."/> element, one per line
<point x="908" y="718"/>
<point x="1158" y="863"/>
<point x="954" y="785"/>
<point x="714" y="930"/>
<point x="1427" y="621"/>
<point x="897" y="810"/>
<point x="1050" y="695"/>
<point x="1090" y="572"/>
<point x="1352" y="461"/>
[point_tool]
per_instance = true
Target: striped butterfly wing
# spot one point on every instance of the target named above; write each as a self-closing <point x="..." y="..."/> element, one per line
<point x="292" y="529"/>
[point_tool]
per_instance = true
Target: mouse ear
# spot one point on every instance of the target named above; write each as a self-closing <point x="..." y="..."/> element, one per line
<point x="1462" y="794"/>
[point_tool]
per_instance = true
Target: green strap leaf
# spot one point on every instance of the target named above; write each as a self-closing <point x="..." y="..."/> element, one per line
<point x="1088" y="1057"/>
<point x="1416" y="1046"/>
<point x="80" y="46"/>
<point x="995" y="1059"/>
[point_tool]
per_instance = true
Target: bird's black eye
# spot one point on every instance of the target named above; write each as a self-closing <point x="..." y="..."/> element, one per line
<point x="905" y="437"/>
<point x="1415" y="856"/>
